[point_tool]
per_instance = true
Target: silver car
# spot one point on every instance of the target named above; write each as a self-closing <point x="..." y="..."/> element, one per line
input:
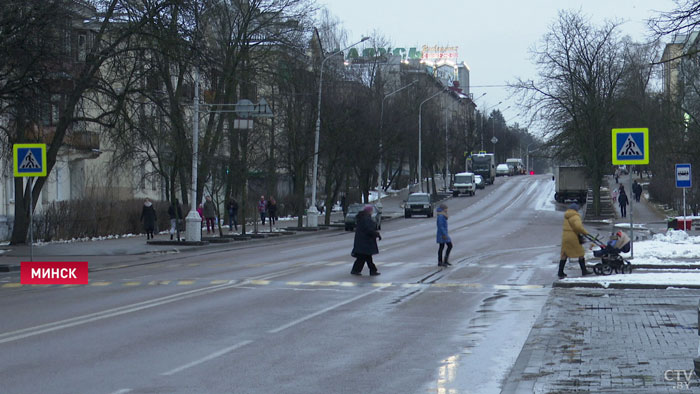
<point x="354" y="209"/>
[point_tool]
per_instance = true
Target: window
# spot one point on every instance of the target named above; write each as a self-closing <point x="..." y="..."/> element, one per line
<point x="82" y="46"/>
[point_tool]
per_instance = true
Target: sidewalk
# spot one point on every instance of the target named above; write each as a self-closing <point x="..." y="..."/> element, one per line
<point x="605" y="341"/>
<point x="11" y="256"/>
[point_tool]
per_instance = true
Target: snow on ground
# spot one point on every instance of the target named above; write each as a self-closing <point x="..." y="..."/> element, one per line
<point x="670" y="248"/>
<point x="648" y="278"/>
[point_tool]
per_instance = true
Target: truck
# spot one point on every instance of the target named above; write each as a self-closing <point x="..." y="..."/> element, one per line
<point x="484" y="164"/>
<point x="571" y="184"/>
<point x="464" y="184"/>
<point x="516" y="165"/>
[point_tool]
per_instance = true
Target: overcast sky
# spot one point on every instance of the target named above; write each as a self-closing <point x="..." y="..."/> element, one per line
<point x="493" y="36"/>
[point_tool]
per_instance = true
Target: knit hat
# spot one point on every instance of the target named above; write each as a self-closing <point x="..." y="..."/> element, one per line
<point x="368" y="208"/>
<point x="574" y="206"/>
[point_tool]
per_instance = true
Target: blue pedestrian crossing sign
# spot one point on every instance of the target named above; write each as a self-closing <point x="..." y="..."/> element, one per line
<point x="630" y="146"/>
<point x="683" y="178"/>
<point x="29" y="159"/>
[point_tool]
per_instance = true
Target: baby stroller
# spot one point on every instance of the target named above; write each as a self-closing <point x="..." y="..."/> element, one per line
<point x="609" y="254"/>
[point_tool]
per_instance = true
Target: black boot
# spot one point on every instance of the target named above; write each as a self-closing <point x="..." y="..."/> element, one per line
<point x="561" y="273"/>
<point x="582" y="264"/>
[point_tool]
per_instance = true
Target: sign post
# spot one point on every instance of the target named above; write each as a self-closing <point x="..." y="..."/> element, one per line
<point x="630" y="147"/>
<point x="29" y="160"/>
<point x="683" y="180"/>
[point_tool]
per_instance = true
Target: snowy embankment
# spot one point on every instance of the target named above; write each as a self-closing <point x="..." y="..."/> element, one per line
<point x="672" y="249"/>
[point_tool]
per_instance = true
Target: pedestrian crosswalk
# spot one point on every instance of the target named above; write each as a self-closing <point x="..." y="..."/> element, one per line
<point x="308" y="284"/>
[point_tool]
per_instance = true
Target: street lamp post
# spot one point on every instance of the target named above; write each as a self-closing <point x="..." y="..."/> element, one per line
<point x="193" y="222"/>
<point x="381" y="124"/>
<point x="527" y="157"/>
<point x="493" y="131"/>
<point x="312" y="214"/>
<point x="482" y="122"/>
<point x="420" y="146"/>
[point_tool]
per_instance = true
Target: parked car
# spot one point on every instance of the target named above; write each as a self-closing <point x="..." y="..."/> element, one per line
<point x="418" y="204"/>
<point x="354" y="209"/>
<point x="502" y="169"/>
<point x="479" y="180"/>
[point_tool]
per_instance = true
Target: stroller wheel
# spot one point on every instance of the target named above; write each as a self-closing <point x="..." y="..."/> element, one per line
<point x="627" y="268"/>
<point x="606" y="269"/>
<point x="597" y="269"/>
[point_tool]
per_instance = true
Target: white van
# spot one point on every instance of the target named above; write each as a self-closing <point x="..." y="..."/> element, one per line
<point x="464" y="184"/>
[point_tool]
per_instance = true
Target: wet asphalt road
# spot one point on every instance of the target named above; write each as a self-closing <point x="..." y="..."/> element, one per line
<point x="286" y="316"/>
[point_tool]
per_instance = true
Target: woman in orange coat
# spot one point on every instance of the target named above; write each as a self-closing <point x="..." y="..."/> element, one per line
<point x="570" y="245"/>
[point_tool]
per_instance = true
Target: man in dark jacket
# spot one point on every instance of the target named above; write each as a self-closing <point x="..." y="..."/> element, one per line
<point x="365" y="245"/>
<point x="637" y="190"/>
<point x="623" y="201"/>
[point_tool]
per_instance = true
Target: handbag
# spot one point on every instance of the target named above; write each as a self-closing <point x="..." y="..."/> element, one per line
<point x="581" y="239"/>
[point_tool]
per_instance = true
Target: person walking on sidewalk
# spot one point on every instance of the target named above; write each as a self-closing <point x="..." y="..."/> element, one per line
<point x="623" y="201"/>
<point x="637" y="191"/>
<point x="570" y="241"/>
<point x="365" y="244"/>
<point x="209" y="211"/>
<point x="272" y="210"/>
<point x="148" y="216"/>
<point x="232" y="214"/>
<point x="443" y="238"/>
<point x="262" y="208"/>
<point x="175" y="214"/>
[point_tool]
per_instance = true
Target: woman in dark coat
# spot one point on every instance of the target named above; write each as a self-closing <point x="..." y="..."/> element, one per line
<point x="365" y="245"/>
<point x="148" y="216"/>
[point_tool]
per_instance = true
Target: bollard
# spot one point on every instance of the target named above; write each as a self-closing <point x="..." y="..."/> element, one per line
<point x="696" y="360"/>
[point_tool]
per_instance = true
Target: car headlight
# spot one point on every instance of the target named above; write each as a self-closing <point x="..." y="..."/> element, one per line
<point x="426" y="206"/>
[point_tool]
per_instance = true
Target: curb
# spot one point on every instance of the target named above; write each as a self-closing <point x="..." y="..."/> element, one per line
<point x="184" y="243"/>
<point x="638" y="286"/>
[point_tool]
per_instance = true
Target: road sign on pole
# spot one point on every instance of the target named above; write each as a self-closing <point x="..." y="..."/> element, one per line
<point x="29" y="159"/>
<point x="630" y="146"/>
<point x="683" y="178"/>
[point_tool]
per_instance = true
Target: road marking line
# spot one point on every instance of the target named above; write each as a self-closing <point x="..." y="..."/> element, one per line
<point x="122" y="310"/>
<point x="322" y="283"/>
<point x="334" y="263"/>
<point x="100" y="283"/>
<point x="218" y="282"/>
<point x="391" y="264"/>
<point x="122" y="391"/>
<point x="12" y="285"/>
<point x="207" y="358"/>
<point x="385" y="284"/>
<point x="322" y="311"/>
<point x="159" y="282"/>
<point x="259" y="282"/>
<point x="132" y="283"/>
<point x="185" y="282"/>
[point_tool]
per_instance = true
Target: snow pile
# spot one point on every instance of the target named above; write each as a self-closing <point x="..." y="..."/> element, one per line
<point x="685" y="278"/>
<point x="671" y="245"/>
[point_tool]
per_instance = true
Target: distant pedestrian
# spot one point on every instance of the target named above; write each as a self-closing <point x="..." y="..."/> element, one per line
<point x="622" y="200"/>
<point x="617" y="175"/>
<point x="262" y="208"/>
<point x="175" y="214"/>
<point x="614" y="196"/>
<point x="232" y="214"/>
<point x="443" y="238"/>
<point x="272" y="210"/>
<point x="365" y="244"/>
<point x="209" y="210"/>
<point x="570" y="241"/>
<point x="148" y="216"/>
<point x="344" y="205"/>
<point x="637" y="190"/>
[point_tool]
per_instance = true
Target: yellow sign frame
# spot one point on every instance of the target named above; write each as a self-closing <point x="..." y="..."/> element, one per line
<point x="616" y="160"/>
<point x="16" y="159"/>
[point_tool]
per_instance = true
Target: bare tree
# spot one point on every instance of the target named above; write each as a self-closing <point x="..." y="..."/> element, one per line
<point x="580" y="67"/>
